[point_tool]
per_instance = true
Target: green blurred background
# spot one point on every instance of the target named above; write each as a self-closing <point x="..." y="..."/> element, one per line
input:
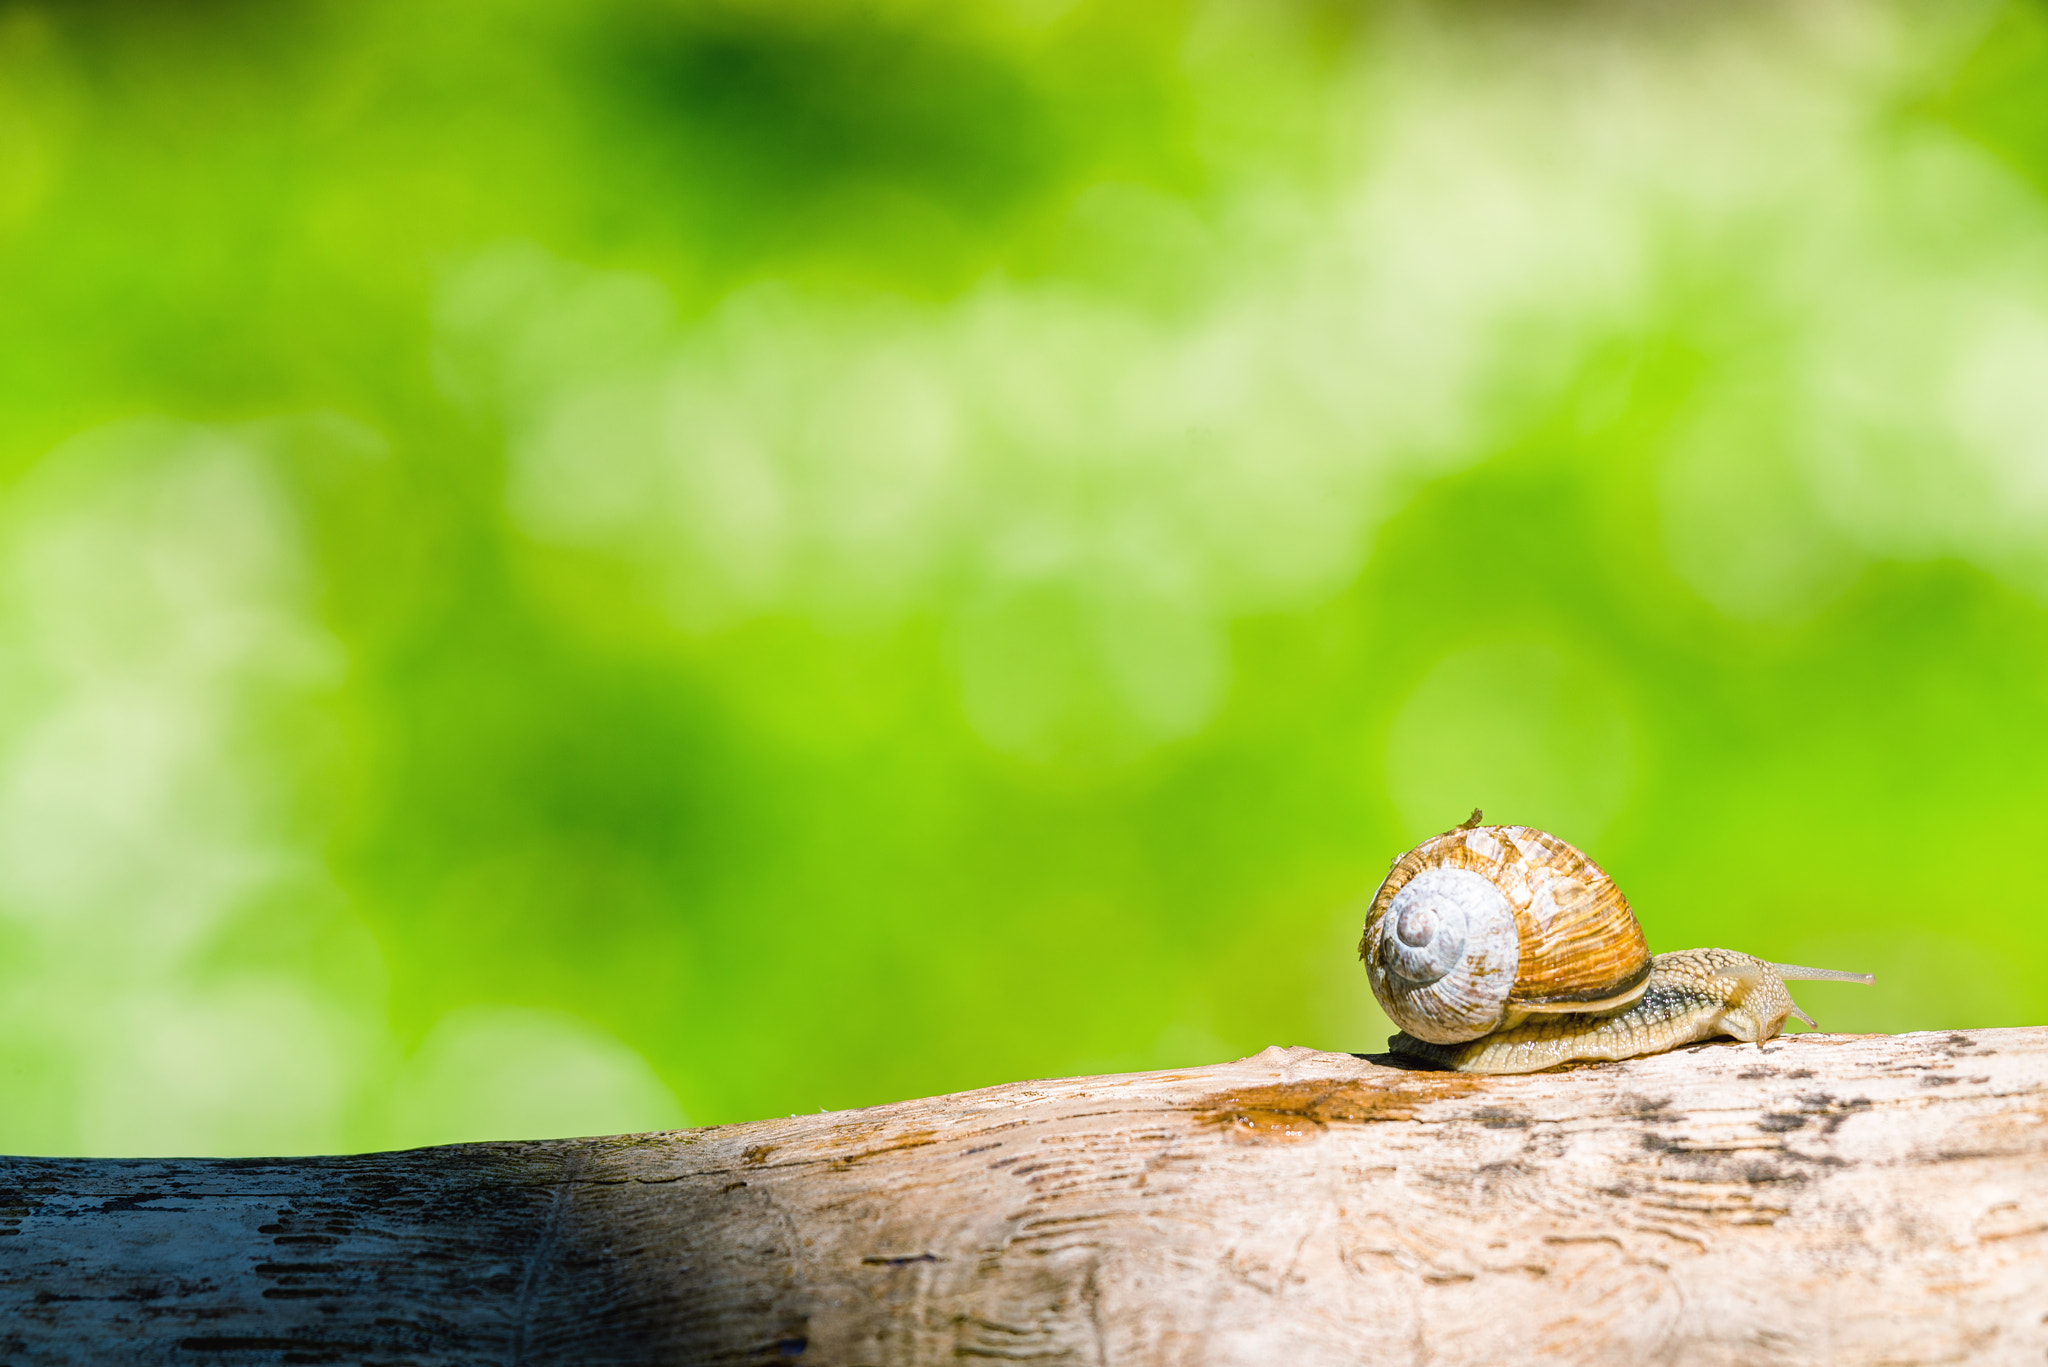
<point x="580" y="565"/>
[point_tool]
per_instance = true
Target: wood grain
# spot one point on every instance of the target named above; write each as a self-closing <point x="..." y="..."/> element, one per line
<point x="1824" y="1199"/>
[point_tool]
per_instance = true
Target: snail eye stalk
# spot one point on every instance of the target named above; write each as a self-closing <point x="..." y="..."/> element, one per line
<point x="1823" y="975"/>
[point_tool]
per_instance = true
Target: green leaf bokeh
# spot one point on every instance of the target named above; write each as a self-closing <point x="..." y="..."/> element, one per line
<point x="584" y="566"/>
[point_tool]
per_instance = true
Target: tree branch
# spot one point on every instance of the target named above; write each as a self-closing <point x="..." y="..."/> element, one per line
<point x="1824" y="1199"/>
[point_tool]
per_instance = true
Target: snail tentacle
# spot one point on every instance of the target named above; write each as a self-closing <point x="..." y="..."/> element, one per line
<point x="1793" y="972"/>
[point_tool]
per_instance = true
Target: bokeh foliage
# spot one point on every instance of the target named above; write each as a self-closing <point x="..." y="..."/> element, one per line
<point x="571" y="565"/>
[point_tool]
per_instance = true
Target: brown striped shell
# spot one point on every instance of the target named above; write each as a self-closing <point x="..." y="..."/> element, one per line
<point x="1481" y="926"/>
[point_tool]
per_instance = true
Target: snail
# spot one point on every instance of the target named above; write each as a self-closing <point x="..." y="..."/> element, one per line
<point x="1501" y="949"/>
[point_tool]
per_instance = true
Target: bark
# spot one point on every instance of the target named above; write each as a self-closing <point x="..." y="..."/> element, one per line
<point x="1822" y="1199"/>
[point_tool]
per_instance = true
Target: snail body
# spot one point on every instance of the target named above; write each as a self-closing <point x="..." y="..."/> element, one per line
<point x="1502" y="949"/>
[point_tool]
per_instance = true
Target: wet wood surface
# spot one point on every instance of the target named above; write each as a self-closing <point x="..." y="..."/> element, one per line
<point x="1824" y="1199"/>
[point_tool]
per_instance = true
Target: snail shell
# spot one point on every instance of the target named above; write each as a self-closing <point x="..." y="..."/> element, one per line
<point x="1477" y="929"/>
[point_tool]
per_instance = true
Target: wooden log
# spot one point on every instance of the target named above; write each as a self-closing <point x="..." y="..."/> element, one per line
<point x="1823" y="1199"/>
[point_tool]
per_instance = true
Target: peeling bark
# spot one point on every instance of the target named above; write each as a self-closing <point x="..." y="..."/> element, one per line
<point x="1823" y="1199"/>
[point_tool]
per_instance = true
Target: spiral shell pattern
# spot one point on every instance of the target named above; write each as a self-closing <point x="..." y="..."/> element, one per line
<point x="1482" y="926"/>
